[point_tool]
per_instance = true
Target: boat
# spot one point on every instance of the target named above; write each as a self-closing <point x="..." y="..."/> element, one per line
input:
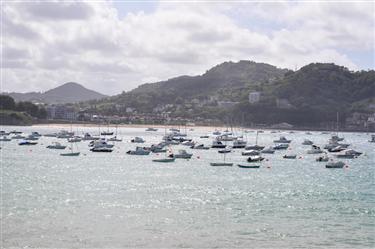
<point x="27" y="143"/>
<point x="200" y="147"/>
<point x="282" y="140"/>
<point x="349" y="154"/>
<point x="15" y="132"/>
<point x="56" y="146"/>
<point x="182" y="154"/>
<point x="248" y="166"/>
<point x="281" y="146"/>
<point x="74" y="139"/>
<point x="35" y="134"/>
<point x="239" y="144"/>
<point x="115" y="139"/>
<point x="218" y="144"/>
<point x="100" y="143"/>
<point x="5" y="139"/>
<point x="164" y="160"/>
<point x="216" y="133"/>
<point x="139" y="151"/>
<point x="337" y="149"/>
<point x="222" y="164"/>
<point x="88" y="137"/>
<point x="314" y="150"/>
<point x="256" y="146"/>
<point x="307" y="142"/>
<point x="255" y="159"/>
<point x="137" y="140"/>
<point x="106" y="133"/>
<point x="372" y="139"/>
<point x="223" y="151"/>
<point x="204" y="136"/>
<point x="188" y="143"/>
<point x="71" y="153"/>
<point x="290" y="156"/>
<point x="65" y="134"/>
<point x="151" y="129"/>
<point x="4" y="133"/>
<point x="268" y="150"/>
<point x="18" y="136"/>
<point x="335" y="165"/>
<point x="101" y="149"/>
<point x="324" y="158"/>
<point x="50" y="135"/>
<point x="31" y="138"/>
<point x="250" y="153"/>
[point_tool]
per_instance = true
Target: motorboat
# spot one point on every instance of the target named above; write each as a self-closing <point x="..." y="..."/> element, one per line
<point x="151" y="129"/>
<point x="65" y="134"/>
<point x="223" y="151"/>
<point x="4" y="133"/>
<point x="106" y="133"/>
<point x="282" y="140"/>
<point x="337" y="149"/>
<point x="335" y="165"/>
<point x="182" y="154"/>
<point x="15" y="132"/>
<point x="50" y="135"/>
<point x="250" y="153"/>
<point x="254" y="147"/>
<point x="222" y="164"/>
<point x="314" y="150"/>
<point x="336" y="138"/>
<point x="372" y="139"/>
<point x="324" y="158"/>
<point x="115" y="139"/>
<point x="248" y="166"/>
<point x="255" y="159"/>
<point x="31" y="138"/>
<point x="100" y="143"/>
<point x="268" y="150"/>
<point x="137" y="140"/>
<point x="349" y="154"/>
<point x="74" y="139"/>
<point x="218" y="144"/>
<point x="281" y="146"/>
<point x="56" y="146"/>
<point x="35" y="134"/>
<point x="18" y="136"/>
<point x="5" y="139"/>
<point x="239" y="144"/>
<point x="307" y="142"/>
<point x="216" y="133"/>
<point x="27" y="143"/>
<point x="188" y="143"/>
<point x="200" y="147"/>
<point x="101" y="149"/>
<point x="290" y="156"/>
<point x="88" y="137"/>
<point x="204" y="136"/>
<point x="139" y="151"/>
<point x="164" y="160"/>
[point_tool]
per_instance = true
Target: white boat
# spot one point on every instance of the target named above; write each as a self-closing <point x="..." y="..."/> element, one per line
<point x="222" y="164"/>
<point x="71" y="153"/>
<point x="188" y="143"/>
<point x="314" y="150"/>
<point x="218" y="144"/>
<point x="151" y="129"/>
<point x="268" y="150"/>
<point x="200" y="147"/>
<point x="137" y="140"/>
<point x="139" y="151"/>
<point x="248" y="166"/>
<point x="56" y="146"/>
<point x="256" y="146"/>
<point x="282" y="140"/>
<point x="65" y="134"/>
<point x="115" y="139"/>
<point x="50" y="135"/>
<point x="349" y="154"/>
<point x="224" y="151"/>
<point x="74" y="139"/>
<point x="4" y="133"/>
<point x="216" y="133"/>
<point x="182" y="154"/>
<point x="5" y="139"/>
<point x="18" y="136"/>
<point x="239" y="144"/>
<point x="307" y="142"/>
<point x="372" y="139"/>
<point x="164" y="160"/>
<point x="31" y="138"/>
<point x="88" y="137"/>
<point x="281" y="146"/>
<point x="335" y="165"/>
<point x="100" y="143"/>
<point x="250" y="153"/>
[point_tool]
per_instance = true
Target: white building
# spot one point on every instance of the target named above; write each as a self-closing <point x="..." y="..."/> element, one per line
<point x="254" y="97"/>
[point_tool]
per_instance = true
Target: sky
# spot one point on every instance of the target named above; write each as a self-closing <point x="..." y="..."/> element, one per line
<point x="114" y="46"/>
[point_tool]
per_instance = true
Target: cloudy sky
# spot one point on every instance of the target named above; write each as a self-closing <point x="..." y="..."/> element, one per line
<point x="115" y="46"/>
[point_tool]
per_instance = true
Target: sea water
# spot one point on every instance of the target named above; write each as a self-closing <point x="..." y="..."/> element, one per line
<point x="118" y="200"/>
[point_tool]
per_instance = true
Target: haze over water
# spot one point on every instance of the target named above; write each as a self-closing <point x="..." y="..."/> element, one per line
<point x="119" y="200"/>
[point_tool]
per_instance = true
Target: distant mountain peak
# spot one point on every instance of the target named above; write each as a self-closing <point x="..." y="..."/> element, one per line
<point x="70" y="92"/>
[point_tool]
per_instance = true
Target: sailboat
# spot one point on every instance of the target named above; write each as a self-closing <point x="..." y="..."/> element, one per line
<point x="166" y="159"/>
<point x="107" y="133"/>
<point x="115" y="139"/>
<point x="256" y="146"/>
<point x="71" y="153"/>
<point x="222" y="163"/>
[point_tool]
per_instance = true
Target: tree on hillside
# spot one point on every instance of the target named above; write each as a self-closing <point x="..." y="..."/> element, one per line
<point x="7" y="103"/>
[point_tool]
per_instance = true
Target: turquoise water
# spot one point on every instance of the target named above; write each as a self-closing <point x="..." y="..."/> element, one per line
<point x="119" y="200"/>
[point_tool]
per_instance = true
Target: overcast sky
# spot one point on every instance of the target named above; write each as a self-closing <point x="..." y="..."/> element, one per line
<point x="115" y="46"/>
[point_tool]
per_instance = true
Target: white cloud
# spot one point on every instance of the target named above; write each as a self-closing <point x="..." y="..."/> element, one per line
<point x="47" y="44"/>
